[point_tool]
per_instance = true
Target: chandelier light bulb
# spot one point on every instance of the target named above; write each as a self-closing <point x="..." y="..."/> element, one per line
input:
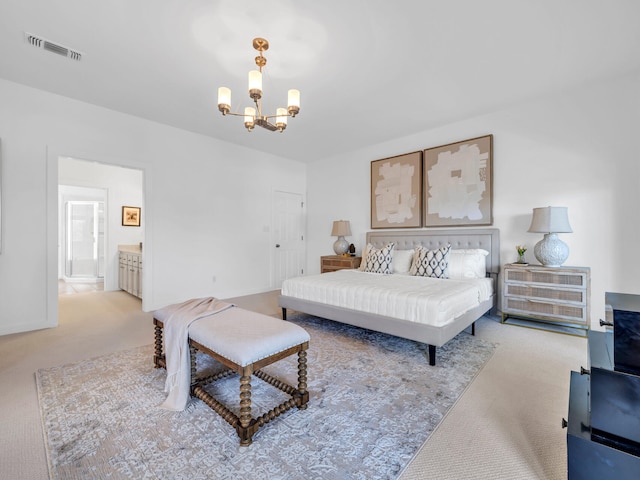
<point x="249" y="117"/>
<point x="281" y="119"/>
<point x="294" y="102"/>
<point x="224" y="100"/>
<point x="255" y="84"/>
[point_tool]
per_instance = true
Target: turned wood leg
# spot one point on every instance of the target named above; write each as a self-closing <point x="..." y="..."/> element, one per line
<point x="245" y="408"/>
<point x="432" y="355"/>
<point x="192" y="358"/>
<point x="302" y="379"/>
<point x="158" y="345"/>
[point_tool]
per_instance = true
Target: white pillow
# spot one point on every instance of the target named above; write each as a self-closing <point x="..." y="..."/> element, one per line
<point x="365" y="252"/>
<point x="402" y="261"/>
<point x="431" y="263"/>
<point x="378" y="260"/>
<point x="468" y="263"/>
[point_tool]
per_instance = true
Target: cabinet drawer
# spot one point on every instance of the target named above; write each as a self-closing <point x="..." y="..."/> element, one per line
<point x="336" y="263"/>
<point x="545" y="310"/>
<point x="543" y="293"/>
<point x="546" y="277"/>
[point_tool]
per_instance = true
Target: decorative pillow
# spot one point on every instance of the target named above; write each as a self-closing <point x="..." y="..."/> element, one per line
<point x="378" y="260"/>
<point x="468" y="263"/>
<point x="402" y="261"/>
<point x="430" y="263"/>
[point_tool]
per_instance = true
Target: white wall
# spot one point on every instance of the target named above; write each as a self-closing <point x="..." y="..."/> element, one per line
<point x="207" y="203"/>
<point x="123" y="187"/>
<point x="577" y="150"/>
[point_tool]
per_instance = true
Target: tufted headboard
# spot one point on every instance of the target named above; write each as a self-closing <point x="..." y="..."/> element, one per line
<point x="485" y="238"/>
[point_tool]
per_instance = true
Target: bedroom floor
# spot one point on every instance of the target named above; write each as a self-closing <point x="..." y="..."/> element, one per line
<point x="505" y="426"/>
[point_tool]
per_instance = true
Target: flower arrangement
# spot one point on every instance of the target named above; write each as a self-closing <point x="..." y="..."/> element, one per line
<point x="521" y="249"/>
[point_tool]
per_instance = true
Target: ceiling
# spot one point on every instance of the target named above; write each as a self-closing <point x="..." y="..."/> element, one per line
<point x="368" y="70"/>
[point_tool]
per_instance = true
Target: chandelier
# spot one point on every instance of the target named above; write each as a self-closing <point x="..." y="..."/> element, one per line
<point x="253" y="115"/>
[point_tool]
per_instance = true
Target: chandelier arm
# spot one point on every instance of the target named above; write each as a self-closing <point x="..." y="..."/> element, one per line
<point x="276" y="115"/>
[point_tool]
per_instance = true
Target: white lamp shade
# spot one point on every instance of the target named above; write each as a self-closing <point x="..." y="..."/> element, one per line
<point x="341" y="228"/>
<point x="294" y="98"/>
<point x="550" y="220"/>
<point x="255" y="81"/>
<point x="281" y="116"/>
<point x="249" y="116"/>
<point x="224" y="96"/>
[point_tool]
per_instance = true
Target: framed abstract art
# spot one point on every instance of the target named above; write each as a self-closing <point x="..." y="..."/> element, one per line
<point x="396" y="191"/>
<point x="458" y="183"/>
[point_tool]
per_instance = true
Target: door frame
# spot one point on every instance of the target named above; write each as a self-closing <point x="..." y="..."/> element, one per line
<point x="51" y="269"/>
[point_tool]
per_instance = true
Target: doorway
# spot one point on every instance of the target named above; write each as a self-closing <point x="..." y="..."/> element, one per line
<point x="91" y="196"/>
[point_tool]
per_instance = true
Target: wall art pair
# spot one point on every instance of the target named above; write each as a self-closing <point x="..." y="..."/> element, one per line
<point x="444" y="186"/>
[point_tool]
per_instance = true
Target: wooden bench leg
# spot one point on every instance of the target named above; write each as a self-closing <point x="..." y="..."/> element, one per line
<point x="302" y="379"/>
<point x="158" y="355"/>
<point x="244" y="428"/>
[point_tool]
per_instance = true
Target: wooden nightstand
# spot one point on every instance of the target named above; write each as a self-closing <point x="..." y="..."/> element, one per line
<point x="553" y="298"/>
<point x="331" y="263"/>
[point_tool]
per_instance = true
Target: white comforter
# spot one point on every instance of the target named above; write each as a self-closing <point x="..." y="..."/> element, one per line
<point x="425" y="300"/>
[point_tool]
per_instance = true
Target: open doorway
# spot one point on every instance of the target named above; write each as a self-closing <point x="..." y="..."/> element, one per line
<point x="90" y="227"/>
<point x="81" y="230"/>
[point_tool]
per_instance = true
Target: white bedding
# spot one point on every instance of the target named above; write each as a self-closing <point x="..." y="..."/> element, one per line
<point x="424" y="300"/>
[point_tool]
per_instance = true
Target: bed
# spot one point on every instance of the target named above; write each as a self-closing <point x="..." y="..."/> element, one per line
<point x="334" y="295"/>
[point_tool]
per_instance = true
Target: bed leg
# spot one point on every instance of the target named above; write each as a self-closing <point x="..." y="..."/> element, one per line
<point x="432" y="355"/>
<point x="284" y="313"/>
<point x="473" y="328"/>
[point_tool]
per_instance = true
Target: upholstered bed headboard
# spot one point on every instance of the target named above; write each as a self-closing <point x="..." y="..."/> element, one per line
<point x="485" y="238"/>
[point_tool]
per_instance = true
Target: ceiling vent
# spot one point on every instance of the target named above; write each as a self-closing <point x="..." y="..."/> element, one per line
<point x="52" y="47"/>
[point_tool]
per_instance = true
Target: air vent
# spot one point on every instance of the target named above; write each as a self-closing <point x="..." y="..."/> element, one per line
<point x="52" y="47"/>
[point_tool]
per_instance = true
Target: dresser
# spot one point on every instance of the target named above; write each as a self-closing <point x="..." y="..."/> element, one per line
<point x="553" y="298"/>
<point x="331" y="263"/>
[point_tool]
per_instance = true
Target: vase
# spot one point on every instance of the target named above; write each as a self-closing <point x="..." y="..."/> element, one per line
<point x="521" y="258"/>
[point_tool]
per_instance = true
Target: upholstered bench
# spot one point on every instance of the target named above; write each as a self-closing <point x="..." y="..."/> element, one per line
<point x="244" y="342"/>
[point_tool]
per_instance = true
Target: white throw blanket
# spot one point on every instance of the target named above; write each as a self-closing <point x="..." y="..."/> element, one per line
<point x="177" y="319"/>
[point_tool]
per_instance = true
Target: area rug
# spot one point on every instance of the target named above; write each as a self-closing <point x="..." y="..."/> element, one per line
<point x="374" y="400"/>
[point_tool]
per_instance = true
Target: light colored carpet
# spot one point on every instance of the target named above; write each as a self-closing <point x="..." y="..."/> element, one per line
<point x="505" y="426"/>
<point x="374" y="400"/>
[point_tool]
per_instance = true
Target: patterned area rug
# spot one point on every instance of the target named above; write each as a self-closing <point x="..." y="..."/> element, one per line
<point x="373" y="401"/>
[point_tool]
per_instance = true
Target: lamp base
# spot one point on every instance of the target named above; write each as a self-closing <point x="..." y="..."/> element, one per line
<point x="551" y="251"/>
<point x="340" y="246"/>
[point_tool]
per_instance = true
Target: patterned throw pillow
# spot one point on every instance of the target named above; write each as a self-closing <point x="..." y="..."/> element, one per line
<point x="378" y="260"/>
<point x="431" y="263"/>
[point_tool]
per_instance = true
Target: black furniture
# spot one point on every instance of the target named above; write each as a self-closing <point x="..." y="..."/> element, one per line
<point x="603" y="437"/>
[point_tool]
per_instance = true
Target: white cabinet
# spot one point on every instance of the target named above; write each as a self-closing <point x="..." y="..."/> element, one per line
<point x="556" y="298"/>
<point x="130" y="271"/>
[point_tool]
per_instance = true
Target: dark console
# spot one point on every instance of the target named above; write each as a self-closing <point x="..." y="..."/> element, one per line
<point x="603" y="438"/>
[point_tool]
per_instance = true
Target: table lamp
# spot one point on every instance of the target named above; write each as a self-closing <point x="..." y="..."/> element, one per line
<point x="550" y="251"/>
<point x="341" y="228"/>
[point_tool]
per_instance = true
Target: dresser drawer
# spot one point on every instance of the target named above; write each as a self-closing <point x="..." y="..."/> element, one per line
<point x="545" y="293"/>
<point x="547" y="276"/>
<point x="545" y="310"/>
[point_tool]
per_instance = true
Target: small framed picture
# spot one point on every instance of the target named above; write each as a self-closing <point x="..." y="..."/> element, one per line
<point x="131" y="216"/>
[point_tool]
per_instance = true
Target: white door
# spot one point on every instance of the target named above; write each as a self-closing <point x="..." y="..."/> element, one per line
<point x="288" y="236"/>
